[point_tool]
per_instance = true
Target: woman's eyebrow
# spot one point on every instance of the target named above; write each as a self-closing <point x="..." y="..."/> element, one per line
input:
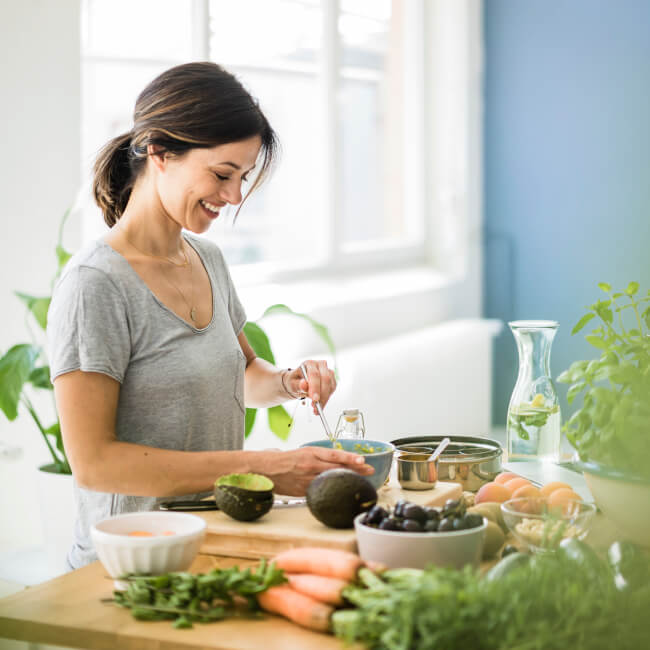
<point x="235" y="165"/>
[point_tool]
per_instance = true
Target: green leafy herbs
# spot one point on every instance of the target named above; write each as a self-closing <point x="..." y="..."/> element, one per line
<point x="525" y="416"/>
<point x="612" y="426"/>
<point x="187" y="598"/>
<point x="552" y="601"/>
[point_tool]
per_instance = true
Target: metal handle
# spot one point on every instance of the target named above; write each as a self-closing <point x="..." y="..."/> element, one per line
<point x="328" y="431"/>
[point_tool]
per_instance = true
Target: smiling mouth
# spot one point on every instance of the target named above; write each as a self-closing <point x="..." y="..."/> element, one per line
<point x="210" y="208"/>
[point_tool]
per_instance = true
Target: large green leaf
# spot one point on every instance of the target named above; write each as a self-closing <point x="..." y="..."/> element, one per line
<point x="250" y="421"/>
<point x="55" y="431"/>
<point x="582" y="322"/>
<point x="319" y="328"/>
<point x="280" y="422"/>
<point x="259" y="341"/>
<point x="38" y="307"/>
<point x="15" y="368"/>
<point x="40" y="378"/>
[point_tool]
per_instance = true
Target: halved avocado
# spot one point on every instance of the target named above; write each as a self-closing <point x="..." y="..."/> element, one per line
<point x="244" y="497"/>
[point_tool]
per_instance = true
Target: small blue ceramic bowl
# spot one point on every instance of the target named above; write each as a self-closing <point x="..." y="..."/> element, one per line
<point x="380" y="457"/>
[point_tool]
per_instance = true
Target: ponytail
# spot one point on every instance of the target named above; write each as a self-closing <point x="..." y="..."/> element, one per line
<point x="113" y="178"/>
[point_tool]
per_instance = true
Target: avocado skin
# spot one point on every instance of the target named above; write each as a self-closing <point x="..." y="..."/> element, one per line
<point x="337" y="496"/>
<point x="242" y="504"/>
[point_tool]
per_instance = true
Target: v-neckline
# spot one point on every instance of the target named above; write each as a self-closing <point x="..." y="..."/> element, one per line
<point x="159" y="301"/>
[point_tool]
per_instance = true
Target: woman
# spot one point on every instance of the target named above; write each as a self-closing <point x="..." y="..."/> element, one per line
<point x="148" y="358"/>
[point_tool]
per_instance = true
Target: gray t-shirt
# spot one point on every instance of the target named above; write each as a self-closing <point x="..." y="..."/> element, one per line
<point x="182" y="388"/>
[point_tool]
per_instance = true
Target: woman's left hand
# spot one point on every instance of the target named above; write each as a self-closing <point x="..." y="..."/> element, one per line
<point x="319" y="385"/>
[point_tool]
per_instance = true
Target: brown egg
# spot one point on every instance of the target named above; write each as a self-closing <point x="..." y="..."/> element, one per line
<point x="504" y="476"/>
<point x="549" y="488"/>
<point x="515" y="483"/>
<point x="492" y="493"/>
<point x="561" y="500"/>
<point x="526" y="491"/>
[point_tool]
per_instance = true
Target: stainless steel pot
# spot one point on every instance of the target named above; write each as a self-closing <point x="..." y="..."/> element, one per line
<point x="468" y="460"/>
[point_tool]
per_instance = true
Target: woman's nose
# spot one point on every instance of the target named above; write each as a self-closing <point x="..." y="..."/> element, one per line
<point x="231" y="192"/>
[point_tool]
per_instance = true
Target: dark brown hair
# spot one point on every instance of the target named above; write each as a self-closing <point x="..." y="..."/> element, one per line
<point x="195" y="105"/>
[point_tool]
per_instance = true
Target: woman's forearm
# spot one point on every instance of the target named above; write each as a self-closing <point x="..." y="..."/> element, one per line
<point x="139" y="470"/>
<point x="263" y="385"/>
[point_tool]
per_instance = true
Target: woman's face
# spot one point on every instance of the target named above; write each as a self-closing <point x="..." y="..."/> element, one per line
<point x="193" y="188"/>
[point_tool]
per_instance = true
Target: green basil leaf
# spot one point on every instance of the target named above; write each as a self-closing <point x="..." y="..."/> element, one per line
<point x="582" y="322"/>
<point x="597" y="342"/>
<point x="605" y="286"/>
<point x="38" y="307"/>
<point x="15" y="368"/>
<point x="632" y="288"/>
<point x="280" y="422"/>
<point x="574" y="390"/>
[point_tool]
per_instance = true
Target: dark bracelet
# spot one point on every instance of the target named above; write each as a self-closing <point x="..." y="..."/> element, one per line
<point x="286" y="390"/>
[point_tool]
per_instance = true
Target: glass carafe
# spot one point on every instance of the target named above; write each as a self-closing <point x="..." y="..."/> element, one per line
<point x="533" y="426"/>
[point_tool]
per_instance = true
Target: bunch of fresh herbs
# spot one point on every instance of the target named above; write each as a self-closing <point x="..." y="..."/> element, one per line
<point x="187" y="598"/>
<point x="552" y="602"/>
<point x="612" y="427"/>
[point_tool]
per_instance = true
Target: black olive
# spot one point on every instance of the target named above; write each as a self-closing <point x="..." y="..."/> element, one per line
<point x="460" y="523"/>
<point x="431" y="525"/>
<point x="412" y="526"/>
<point x="375" y="515"/>
<point x="446" y="524"/>
<point x="473" y="520"/>
<point x="452" y="507"/>
<point x="414" y="511"/>
<point x="397" y="511"/>
<point x="509" y="549"/>
<point x="432" y="513"/>
<point x="390" y="523"/>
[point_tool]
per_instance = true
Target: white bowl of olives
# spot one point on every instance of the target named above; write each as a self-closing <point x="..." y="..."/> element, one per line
<point x="414" y="536"/>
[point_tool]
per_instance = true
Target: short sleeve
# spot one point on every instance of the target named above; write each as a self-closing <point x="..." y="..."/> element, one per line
<point x="235" y="308"/>
<point x="87" y="325"/>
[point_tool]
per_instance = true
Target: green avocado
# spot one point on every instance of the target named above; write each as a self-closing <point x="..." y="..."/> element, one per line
<point x="337" y="496"/>
<point x="244" y="497"/>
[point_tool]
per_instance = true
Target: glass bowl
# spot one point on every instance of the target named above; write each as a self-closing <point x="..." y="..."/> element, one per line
<point x="541" y="527"/>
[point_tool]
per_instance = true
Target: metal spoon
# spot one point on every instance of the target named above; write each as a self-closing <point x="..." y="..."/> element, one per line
<point x="328" y="431"/>
<point x="438" y="450"/>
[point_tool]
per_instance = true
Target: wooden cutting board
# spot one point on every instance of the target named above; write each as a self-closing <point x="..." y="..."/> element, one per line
<point x="287" y="527"/>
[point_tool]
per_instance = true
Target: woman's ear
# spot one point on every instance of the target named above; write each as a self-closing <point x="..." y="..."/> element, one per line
<point x="157" y="155"/>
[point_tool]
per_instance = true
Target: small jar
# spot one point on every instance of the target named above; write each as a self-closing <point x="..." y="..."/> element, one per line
<point x="350" y="425"/>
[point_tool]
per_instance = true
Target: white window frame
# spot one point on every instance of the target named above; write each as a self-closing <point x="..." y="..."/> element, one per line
<point x="445" y="168"/>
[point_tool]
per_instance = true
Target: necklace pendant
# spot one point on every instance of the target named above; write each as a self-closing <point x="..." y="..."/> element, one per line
<point x="193" y="314"/>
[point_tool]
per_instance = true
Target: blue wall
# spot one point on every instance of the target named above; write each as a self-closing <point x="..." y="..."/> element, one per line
<point x="567" y="165"/>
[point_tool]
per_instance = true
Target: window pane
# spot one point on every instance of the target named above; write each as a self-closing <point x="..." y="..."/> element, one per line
<point x="273" y="47"/>
<point x="148" y="29"/>
<point x="267" y="33"/>
<point x="371" y="124"/>
<point x="283" y="221"/>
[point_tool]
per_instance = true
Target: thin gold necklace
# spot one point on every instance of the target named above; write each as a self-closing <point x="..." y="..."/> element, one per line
<point x="159" y="257"/>
<point x="190" y="305"/>
<point x="188" y="262"/>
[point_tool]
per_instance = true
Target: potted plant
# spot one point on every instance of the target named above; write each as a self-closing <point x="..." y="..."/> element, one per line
<point x="611" y="429"/>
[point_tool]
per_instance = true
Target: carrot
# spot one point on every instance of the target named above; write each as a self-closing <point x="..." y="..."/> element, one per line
<point x="327" y="562"/>
<point x="297" y="607"/>
<point x="320" y="588"/>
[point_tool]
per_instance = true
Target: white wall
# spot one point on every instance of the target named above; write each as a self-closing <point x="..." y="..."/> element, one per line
<point x="39" y="176"/>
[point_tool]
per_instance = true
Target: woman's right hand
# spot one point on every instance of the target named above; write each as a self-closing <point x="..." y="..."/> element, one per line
<point x="292" y="471"/>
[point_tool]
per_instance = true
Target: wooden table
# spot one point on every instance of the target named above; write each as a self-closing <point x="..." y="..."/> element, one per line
<point x="68" y="611"/>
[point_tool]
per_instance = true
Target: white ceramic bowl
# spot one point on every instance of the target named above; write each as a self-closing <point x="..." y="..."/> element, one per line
<point x="121" y="553"/>
<point x="397" y="549"/>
